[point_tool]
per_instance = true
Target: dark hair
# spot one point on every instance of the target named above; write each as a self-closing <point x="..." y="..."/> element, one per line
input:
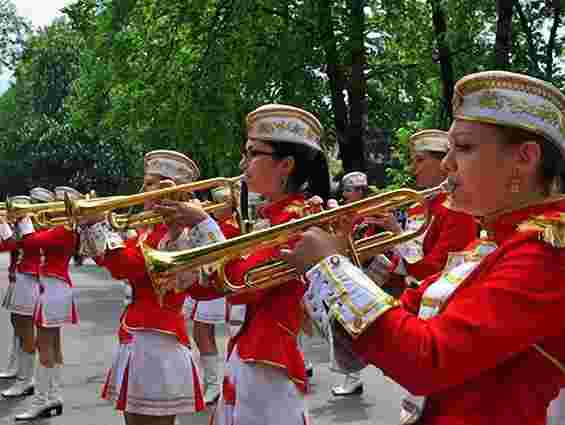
<point x="551" y="166"/>
<point x="437" y="155"/>
<point x="310" y="174"/>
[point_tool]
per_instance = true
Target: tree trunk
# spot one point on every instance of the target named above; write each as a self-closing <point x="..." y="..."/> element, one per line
<point x="533" y="63"/>
<point x="336" y="79"/>
<point x="557" y="10"/>
<point x="358" y="91"/>
<point x="503" y="44"/>
<point x="446" y="68"/>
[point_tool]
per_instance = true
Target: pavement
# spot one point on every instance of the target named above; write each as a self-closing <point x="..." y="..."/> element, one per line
<point x="88" y="349"/>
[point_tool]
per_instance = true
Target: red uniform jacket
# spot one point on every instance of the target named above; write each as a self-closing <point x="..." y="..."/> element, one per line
<point x="449" y="231"/>
<point x="58" y="245"/>
<point x="145" y="312"/>
<point x="475" y="360"/>
<point x="28" y="262"/>
<point x="273" y="316"/>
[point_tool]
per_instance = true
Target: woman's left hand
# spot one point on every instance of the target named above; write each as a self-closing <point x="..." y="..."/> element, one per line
<point x="314" y="246"/>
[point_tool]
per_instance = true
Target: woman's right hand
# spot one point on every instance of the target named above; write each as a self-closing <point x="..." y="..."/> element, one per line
<point x="387" y="221"/>
<point x="181" y="214"/>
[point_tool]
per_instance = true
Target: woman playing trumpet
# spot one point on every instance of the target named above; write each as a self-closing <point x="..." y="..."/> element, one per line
<point x="480" y="342"/>
<point x="153" y="377"/>
<point x="450" y="230"/>
<point x="265" y="380"/>
<point x="20" y="299"/>
<point x="54" y="308"/>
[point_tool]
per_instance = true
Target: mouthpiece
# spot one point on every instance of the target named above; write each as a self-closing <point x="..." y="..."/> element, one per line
<point x="448" y="185"/>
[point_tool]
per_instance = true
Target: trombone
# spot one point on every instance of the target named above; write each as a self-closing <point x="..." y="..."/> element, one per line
<point x="275" y="272"/>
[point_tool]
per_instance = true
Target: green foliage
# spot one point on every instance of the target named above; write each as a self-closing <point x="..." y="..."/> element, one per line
<point x="115" y="79"/>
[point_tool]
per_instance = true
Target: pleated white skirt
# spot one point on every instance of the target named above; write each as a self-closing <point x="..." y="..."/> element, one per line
<point x="21" y="296"/>
<point x="154" y="375"/>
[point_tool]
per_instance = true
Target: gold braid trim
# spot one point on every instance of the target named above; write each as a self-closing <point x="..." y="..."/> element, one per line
<point x="549" y="357"/>
<point x="551" y="229"/>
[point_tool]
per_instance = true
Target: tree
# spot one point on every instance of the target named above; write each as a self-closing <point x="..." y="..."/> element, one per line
<point x="13" y="29"/>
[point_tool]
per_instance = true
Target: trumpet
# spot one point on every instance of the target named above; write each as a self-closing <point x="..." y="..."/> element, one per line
<point x="275" y="272"/>
<point x="44" y="215"/>
<point x="122" y="222"/>
<point x="15" y="211"/>
<point x="77" y="209"/>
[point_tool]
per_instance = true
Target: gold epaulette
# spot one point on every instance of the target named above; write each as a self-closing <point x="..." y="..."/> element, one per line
<point x="550" y="227"/>
<point x="296" y="207"/>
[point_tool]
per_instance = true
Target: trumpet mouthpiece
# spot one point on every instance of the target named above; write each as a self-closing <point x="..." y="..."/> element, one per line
<point x="448" y="185"/>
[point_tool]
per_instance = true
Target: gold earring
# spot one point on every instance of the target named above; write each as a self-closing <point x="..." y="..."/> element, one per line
<point x="515" y="182"/>
<point x="284" y="182"/>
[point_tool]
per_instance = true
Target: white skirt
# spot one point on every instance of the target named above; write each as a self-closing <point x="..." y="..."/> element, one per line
<point x="256" y="394"/>
<point x="21" y="296"/>
<point x="236" y="314"/>
<point x="556" y="411"/>
<point x="56" y="304"/>
<point x="154" y="375"/>
<point x="212" y="312"/>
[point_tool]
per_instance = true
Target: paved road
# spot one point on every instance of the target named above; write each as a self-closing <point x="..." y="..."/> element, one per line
<point x="88" y="349"/>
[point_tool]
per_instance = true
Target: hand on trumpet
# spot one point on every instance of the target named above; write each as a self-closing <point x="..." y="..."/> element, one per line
<point x="387" y="221"/>
<point x="314" y="246"/>
<point x="91" y="219"/>
<point x="179" y="215"/>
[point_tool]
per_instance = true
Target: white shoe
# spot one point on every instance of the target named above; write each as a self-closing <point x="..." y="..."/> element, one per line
<point x="41" y="406"/>
<point x="212" y="385"/>
<point x="11" y="371"/>
<point x="24" y="385"/>
<point x="352" y="385"/>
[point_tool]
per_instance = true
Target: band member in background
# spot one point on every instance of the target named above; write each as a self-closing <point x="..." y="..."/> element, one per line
<point x="265" y="378"/>
<point x="449" y="231"/>
<point x="55" y="307"/>
<point x="355" y="187"/>
<point x="153" y="377"/>
<point x="20" y="299"/>
<point x="480" y="342"/>
<point x="207" y="314"/>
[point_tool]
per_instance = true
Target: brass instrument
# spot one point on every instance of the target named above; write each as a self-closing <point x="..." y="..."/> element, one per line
<point x="145" y="218"/>
<point x="81" y="208"/>
<point x="44" y="214"/>
<point x="275" y="271"/>
<point x="15" y="211"/>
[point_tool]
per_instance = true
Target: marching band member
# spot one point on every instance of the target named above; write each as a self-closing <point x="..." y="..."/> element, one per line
<point x="153" y="377"/>
<point x="55" y="307"/>
<point x="480" y="342"/>
<point x="449" y="231"/>
<point x="355" y="187"/>
<point x="265" y="378"/>
<point x="207" y="314"/>
<point x="20" y="300"/>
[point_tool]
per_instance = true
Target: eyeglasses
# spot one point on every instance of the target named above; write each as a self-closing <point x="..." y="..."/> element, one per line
<point x="250" y="154"/>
